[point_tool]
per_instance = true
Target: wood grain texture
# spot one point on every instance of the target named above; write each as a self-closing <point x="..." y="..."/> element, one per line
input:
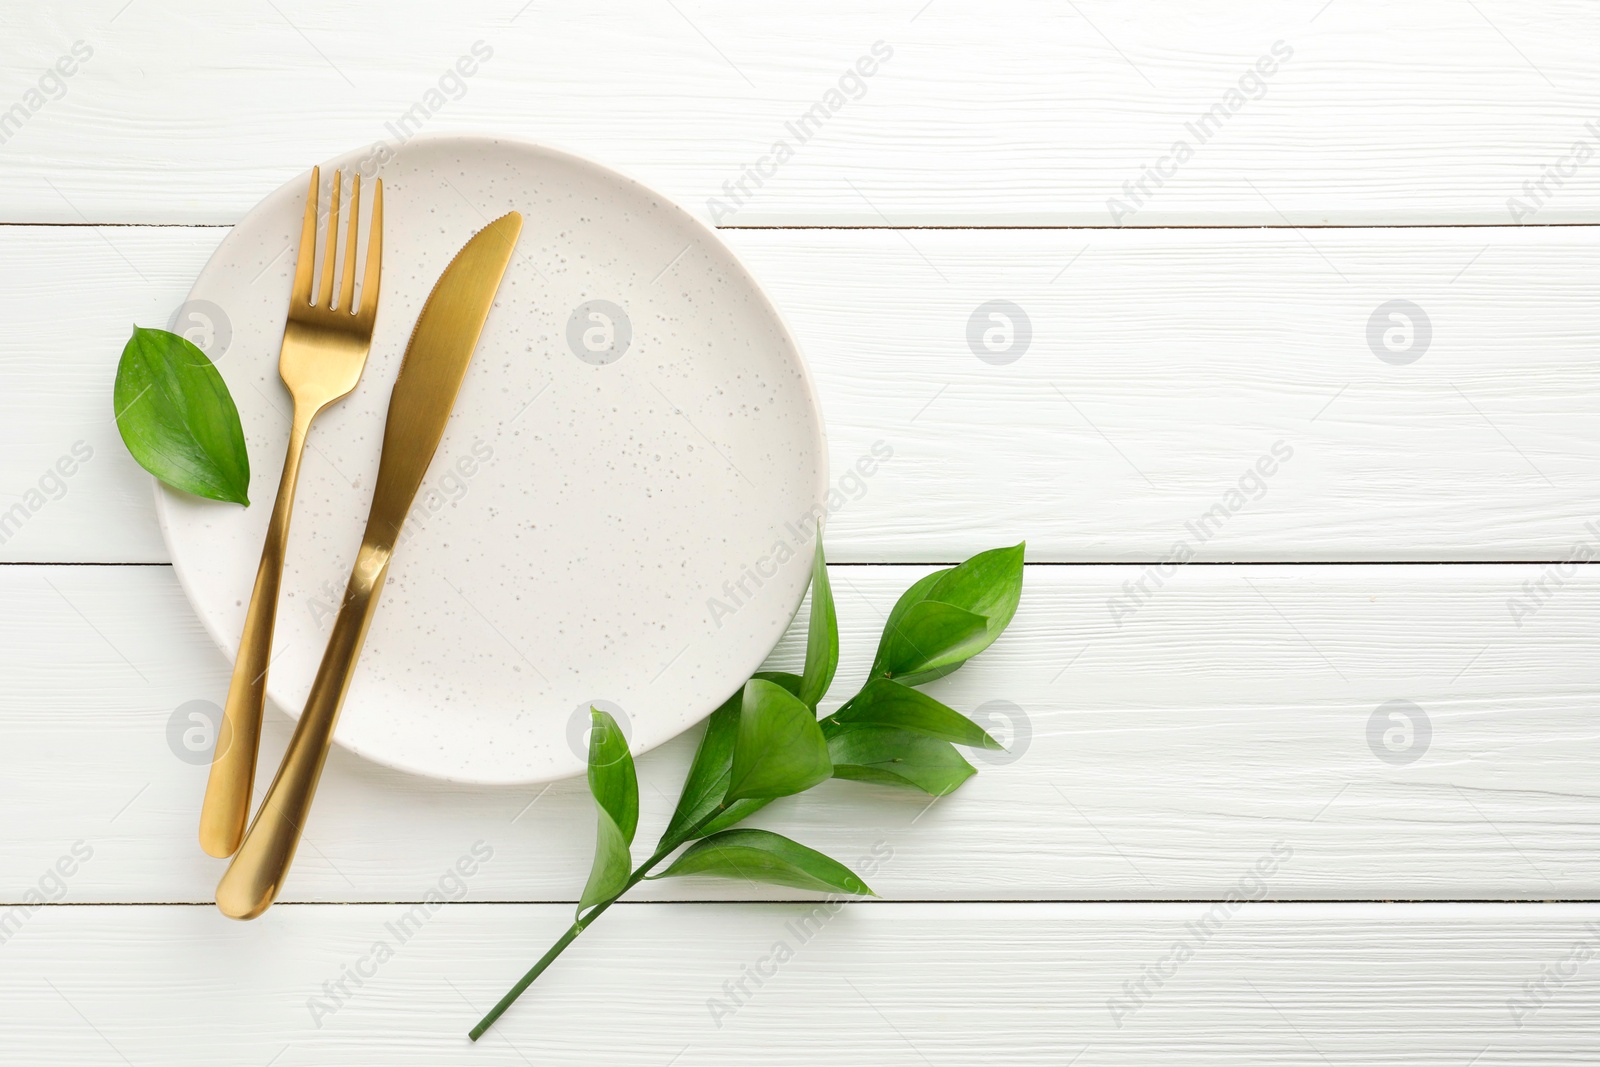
<point x="1164" y="365"/>
<point x="1427" y="112"/>
<point x="1231" y="714"/>
<point x="877" y="984"/>
<point x="1182" y="735"/>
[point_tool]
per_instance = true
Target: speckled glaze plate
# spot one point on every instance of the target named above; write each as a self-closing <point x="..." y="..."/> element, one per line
<point x="620" y="512"/>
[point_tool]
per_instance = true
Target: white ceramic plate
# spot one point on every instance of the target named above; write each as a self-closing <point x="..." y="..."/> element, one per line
<point x="620" y="510"/>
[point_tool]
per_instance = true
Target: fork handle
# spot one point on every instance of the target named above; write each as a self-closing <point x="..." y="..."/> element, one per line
<point x="226" y="807"/>
<point x="253" y="879"/>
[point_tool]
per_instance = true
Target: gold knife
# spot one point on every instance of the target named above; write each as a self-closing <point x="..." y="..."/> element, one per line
<point x="424" y="392"/>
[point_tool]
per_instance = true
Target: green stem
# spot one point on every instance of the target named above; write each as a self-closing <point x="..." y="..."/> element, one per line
<point x="582" y="924"/>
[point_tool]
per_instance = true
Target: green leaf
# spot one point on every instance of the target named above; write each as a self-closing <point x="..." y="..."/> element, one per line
<point x="988" y="584"/>
<point x="888" y="703"/>
<point x="822" y="639"/>
<point x="615" y="788"/>
<point x="779" y="749"/>
<point x="177" y="418"/>
<point x="932" y="636"/>
<point x="887" y="756"/>
<point x="916" y="594"/>
<point x="763" y="856"/>
<point x="921" y="643"/>
<point x="707" y="781"/>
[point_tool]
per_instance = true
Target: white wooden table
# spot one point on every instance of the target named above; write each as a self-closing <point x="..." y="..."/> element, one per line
<point x="1431" y="868"/>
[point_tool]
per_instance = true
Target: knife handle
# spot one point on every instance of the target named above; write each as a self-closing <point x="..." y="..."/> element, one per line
<point x="256" y="874"/>
<point x="226" y="807"/>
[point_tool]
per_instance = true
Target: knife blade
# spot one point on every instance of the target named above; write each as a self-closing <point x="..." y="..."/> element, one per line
<point x="425" y="390"/>
<point x="435" y="363"/>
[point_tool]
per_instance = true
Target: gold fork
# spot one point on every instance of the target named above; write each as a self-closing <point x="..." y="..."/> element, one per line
<point x="324" y="350"/>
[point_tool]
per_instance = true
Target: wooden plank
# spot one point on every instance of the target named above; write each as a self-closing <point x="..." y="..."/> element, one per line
<point x="1237" y="710"/>
<point x="919" y="984"/>
<point x="1368" y="113"/>
<point x="1164" y="366"/>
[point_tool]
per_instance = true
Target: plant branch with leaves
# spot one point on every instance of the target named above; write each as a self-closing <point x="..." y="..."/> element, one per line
<point x="766" y="742"/>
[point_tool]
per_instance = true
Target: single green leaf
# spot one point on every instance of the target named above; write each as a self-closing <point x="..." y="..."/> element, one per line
<point x="763" y="856"/>
<point x="613" y="862"/>
<point x="887" y="756"/>
<point x="888" y="703"/>
<point x="177" y="418"/>
<point x="615" y="788"/>
<point x="920" y="644"/>
<point x="611" y="776"/>
<point x="779" y="749"/>
<point x="988" y="584"/>
<point x="931" y="636"/>
<point x="822" y="638"/>
<point x="707" y="781"/>
<point x="916" y="594"/>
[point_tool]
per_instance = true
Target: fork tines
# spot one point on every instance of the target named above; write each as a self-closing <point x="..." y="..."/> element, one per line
<point x="305" y="264"/>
